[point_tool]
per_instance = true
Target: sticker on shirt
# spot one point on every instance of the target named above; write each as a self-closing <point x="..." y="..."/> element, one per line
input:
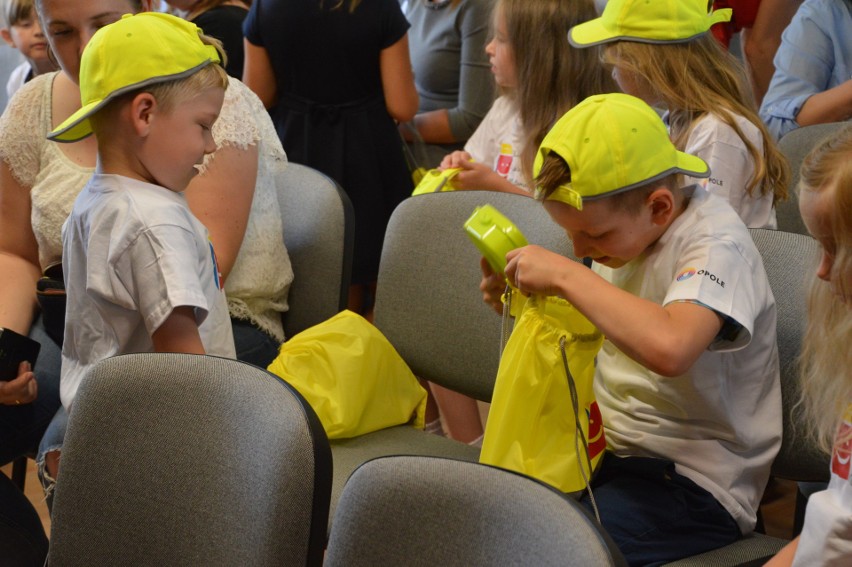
<point x="597" y="440"/>
<point x="843" y="451"/>
<point x="504" y="160"/>
<point x="217" y="275"/>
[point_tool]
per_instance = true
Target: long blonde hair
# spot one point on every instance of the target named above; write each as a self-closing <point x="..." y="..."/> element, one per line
<point x="696" y="78"/>
<point x="826" y="359"/>
<point x="552" y="76"/>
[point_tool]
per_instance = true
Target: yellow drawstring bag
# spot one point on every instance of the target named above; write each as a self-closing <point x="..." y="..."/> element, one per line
<point x="544" y="421"/>
<point x="351" y="376"/>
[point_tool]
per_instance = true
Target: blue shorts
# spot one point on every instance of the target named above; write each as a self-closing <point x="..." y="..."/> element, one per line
<point x="655" y="515"/>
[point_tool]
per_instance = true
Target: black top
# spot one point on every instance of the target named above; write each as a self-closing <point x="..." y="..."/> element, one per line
<point x="331" y="113"/>
<point x="225" y="23"/>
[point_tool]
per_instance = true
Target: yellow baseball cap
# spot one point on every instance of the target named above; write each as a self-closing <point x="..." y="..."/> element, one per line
<point x="648" y="21"/>
<point x="132" y="53"/>
<point x="613" y="143"/>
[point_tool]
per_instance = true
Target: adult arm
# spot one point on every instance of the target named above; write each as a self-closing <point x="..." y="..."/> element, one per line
<point x="476" y="86"/>
<point x="19" y="264"/>
<point x="258" y="74"/>
<point x="784" y="557"/>
<point x="761" y="41"/>
<point x="221" y="198"/>
<point x="398" y="81"/>
<point x="804" y="68"/>
<point x="178" y="333"/>
<point x="664" y="339"/>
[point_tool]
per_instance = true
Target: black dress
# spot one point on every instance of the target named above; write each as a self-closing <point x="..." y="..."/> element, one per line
<point x="225" y="23"/>
<point x="331" y="112"/>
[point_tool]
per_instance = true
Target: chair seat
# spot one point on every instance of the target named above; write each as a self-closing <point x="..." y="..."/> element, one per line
<point x="349" y="454"/>
<point x="750" y="548"/>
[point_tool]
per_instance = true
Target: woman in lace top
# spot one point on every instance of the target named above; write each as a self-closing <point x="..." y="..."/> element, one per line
<point x="234" y="197"/>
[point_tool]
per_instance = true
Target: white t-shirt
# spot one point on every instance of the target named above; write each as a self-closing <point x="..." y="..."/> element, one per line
<point x="132" y="253"/>
<point x="720" y="423"/>
<point x="827" y="534"/>
<point x="497" y="141"/>
<point x="731" y="167"/>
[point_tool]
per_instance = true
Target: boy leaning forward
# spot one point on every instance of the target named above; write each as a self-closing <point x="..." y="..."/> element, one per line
<point x="688" y="377"/>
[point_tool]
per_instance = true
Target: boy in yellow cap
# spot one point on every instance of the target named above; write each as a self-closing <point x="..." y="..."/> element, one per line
<point x="139" y="268"/>
<point x="688" y="378"/>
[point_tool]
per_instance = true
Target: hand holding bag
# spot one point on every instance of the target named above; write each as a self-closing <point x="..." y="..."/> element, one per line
<point x="351" y="376"/>
<point x="544" y="421"/>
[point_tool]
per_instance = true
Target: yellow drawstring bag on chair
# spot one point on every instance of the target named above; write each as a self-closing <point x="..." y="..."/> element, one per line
<point x="544" y="421"/>
<point x="351" y="376"/>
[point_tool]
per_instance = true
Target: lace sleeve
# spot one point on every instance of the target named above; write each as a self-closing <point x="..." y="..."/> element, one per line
<point x="236" y="125"/>
<point x="23" y="129"/>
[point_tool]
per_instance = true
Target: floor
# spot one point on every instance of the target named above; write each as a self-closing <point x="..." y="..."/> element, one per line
<point x="777" y="509"/>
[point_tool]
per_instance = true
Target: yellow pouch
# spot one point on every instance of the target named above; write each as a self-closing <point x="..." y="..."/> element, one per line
<point x="543" y="398"/>
<point x="351" y="376"/>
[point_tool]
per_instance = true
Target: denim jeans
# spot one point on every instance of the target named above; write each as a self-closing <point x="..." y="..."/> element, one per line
<point x="655" y="515"/>
<point x="21" y="427"/>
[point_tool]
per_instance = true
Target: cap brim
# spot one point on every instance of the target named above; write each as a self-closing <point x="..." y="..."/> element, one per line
<point x="589" y="34"/>
<point x="692" y="165"/>
<point x="77" y="126"/>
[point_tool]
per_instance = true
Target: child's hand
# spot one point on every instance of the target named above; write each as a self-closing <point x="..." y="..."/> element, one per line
<point x="476" y="176"/>
<point x="492" y="286"/>
<point x="535" y="270"/>
<point x="21" y="390"/>
<point x="454" y="159"/>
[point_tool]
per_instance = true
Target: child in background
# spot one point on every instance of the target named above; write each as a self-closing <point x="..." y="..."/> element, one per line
<point x="541" y="78"/>
<point x="825" y="200"/>
<point x="23" y="32"/>
<point x="688" y="378"/>
<point x="140" y="271"/>
<point x="663" y="53"/>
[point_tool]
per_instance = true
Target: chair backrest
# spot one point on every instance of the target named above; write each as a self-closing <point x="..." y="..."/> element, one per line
<point x="789" y="260"/>
<point x="319" y="229"/>
<point x="795" y="145"/>
<point x="178" y="459"/>
<point x="408" y="510"/>
<point x="428" y="302"/>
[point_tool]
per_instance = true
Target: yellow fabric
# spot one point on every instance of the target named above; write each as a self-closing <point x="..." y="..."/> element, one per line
<point x="434" y="181"/>
<point x="531" y="427"/>
<point x="351" y="376"/>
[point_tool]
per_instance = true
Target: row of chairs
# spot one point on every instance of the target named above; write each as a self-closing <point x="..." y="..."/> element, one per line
<point x="218" y="462"/>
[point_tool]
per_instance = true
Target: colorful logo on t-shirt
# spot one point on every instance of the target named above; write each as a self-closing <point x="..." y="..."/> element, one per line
<point x="842" y="452"/>
<point x="504" y="160"/>
<point x="686" y="274"/>
<point x="217" y="275"/>
<point x="597" y="440"/>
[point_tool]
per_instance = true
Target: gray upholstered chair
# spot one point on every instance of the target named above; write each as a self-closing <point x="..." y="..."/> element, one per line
<point x="409" y="510"/>
<point x="178" y="459"/>
<point x="795" y="146"/>
<point x="789" y="260"/>
<point x="318" y="232"/>
<point x="429" y="306"/>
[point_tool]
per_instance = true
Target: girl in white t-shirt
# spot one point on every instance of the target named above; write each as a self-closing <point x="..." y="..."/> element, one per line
<point x="678" y="66"/>
<point x="825" y="194"/>
<point x="541" y="77"/>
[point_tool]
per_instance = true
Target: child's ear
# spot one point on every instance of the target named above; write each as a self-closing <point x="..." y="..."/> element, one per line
<point x="7" y="37"/>
<point x="142" y="110"/>
<point x="661" y="202"/>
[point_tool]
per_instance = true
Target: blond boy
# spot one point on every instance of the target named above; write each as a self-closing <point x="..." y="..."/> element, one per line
<point x="688" y="379"/>
<point x="140" y="271"/>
